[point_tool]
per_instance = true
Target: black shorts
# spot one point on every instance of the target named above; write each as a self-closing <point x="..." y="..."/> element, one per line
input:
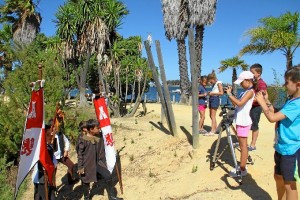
<point x="255" y="113"/>
<point x="286" y="165"/>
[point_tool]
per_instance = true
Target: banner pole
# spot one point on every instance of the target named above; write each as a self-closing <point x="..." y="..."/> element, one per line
<point x="119" y="177"/>
<point x="40" y="77"/>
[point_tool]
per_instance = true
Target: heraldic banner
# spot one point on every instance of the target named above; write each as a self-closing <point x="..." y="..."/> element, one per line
<point x="34" y="145"/>
<point x="103" y="118"/>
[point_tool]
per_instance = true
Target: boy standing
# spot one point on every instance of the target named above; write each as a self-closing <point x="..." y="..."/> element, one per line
<point x="287" y="143"/>
<point x="256" y="109"/>
<point x="91" y="160"/>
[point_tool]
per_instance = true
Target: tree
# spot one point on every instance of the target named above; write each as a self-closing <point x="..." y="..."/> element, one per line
<point x="24" y="19"/>
<point x="280" y="33"/>
<point x="233" y="63"/>
<point x="200" y="13"/>
<point x="84" y="33"/>
<point x="7" y="52"/>
<point x="17" y="94"/>
<point x="175" y="15"/>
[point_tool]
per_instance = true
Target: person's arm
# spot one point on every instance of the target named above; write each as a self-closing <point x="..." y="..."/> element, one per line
<point x="239" y="102"/>
<point x="220" y="93"/>
<point x="220" y="87"/>
<point x="67" y="146"/>
<point x="202" y="95"/>
<point x="269" y="112"/>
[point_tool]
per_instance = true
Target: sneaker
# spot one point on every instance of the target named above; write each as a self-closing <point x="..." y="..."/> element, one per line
<point x="233" y="172"/>
<point x="251" y="148"/>
<point x="209" y="134"/>
<point x="202" y="131"/>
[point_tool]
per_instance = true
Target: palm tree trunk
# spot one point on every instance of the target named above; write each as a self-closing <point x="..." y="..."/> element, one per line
<point x="138" y="99"/>
<point x="101" y="81"/>
<point x="234" y="77"/>
<point x="82" y="80"/>
<point x="126" y="87"/>
<point x="199" y="46"/>
<point x="183" y="71"/>
<point x="132" y="93"/>
<point x="289" y="60"/>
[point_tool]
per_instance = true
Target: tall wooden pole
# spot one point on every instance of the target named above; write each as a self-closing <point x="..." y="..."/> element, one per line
<point x="157" y="83"/>
<point x="194" y="73"/>
<point x="40" y="77"/>
<point x="40" y="67"/>
<point x="166" y="89"/>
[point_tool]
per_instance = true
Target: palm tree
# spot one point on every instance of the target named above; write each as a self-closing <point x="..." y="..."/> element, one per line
<point x="175" y="15"/>
<point x="113" y="11"/>
<point x="81" y="28"/>
<point x="24" y="19"/>
<point x="280" y="33"/>
<point x="201" y="13"/>
<point x="233" y="63"/>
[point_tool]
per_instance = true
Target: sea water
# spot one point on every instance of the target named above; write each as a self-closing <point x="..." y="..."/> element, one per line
<point x="152" y="96"/>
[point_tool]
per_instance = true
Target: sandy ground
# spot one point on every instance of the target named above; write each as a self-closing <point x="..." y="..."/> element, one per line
<point x="156" y="165"/>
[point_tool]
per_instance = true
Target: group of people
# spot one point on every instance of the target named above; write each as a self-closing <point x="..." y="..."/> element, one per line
<point x="91" y="161"/>
<point x="248" y="107"/>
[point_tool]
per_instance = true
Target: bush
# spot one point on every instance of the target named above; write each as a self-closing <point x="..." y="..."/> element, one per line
<point x="277" y="96"/>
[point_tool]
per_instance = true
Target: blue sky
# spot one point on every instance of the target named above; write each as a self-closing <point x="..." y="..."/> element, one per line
<point x="223" y="39"/>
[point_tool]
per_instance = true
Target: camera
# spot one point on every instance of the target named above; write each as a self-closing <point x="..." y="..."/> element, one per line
<point x="225" y="90"/>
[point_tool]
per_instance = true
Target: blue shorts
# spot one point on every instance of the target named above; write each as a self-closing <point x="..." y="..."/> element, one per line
<point x="214" y="102"/>
<point x="285" y="165"/>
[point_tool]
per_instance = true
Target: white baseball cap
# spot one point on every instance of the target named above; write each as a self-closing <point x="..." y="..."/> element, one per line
<point x="244" y="75"/>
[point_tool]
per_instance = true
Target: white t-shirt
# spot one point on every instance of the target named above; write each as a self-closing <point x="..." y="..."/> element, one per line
<point x="215" y="89"/>
<point x="58" y="154"/>
<point x="242" y="114"/>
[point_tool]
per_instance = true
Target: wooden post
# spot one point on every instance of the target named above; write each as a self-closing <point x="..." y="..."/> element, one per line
<point x="119" y="178"/>
<point x="40" y="67"/>
<point x="157" y="82"/>
<point x="170" y="113"/>
<point x="194" y="73"/>
<point x="40" y="77"/>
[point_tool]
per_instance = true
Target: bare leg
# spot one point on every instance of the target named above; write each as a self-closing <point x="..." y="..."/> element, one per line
<point x="244" y="152"/>
<point x="280" y="186"/>
<point x="202" y="118"/>
<point x="213" y="112"/>
<point x="254" y="138"/>
<point x="291" y="190"/>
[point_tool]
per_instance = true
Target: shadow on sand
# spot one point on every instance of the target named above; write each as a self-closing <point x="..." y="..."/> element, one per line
<point x="249" y="185"/>
<point x="161" y="127"/>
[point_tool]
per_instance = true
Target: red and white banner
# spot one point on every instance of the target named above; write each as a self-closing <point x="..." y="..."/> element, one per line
<point x="34" y="146"/>
<point x="103" y="118"/>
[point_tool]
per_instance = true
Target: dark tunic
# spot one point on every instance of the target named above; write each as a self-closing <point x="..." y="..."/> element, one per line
<point x="101" y="155"/>
<point x="88" y="148"/>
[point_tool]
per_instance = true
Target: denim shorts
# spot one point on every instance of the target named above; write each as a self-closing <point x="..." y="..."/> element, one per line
<point x="255" y="117"/>
<point x="214" y="102"/>
<point x="285" y="165"/>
